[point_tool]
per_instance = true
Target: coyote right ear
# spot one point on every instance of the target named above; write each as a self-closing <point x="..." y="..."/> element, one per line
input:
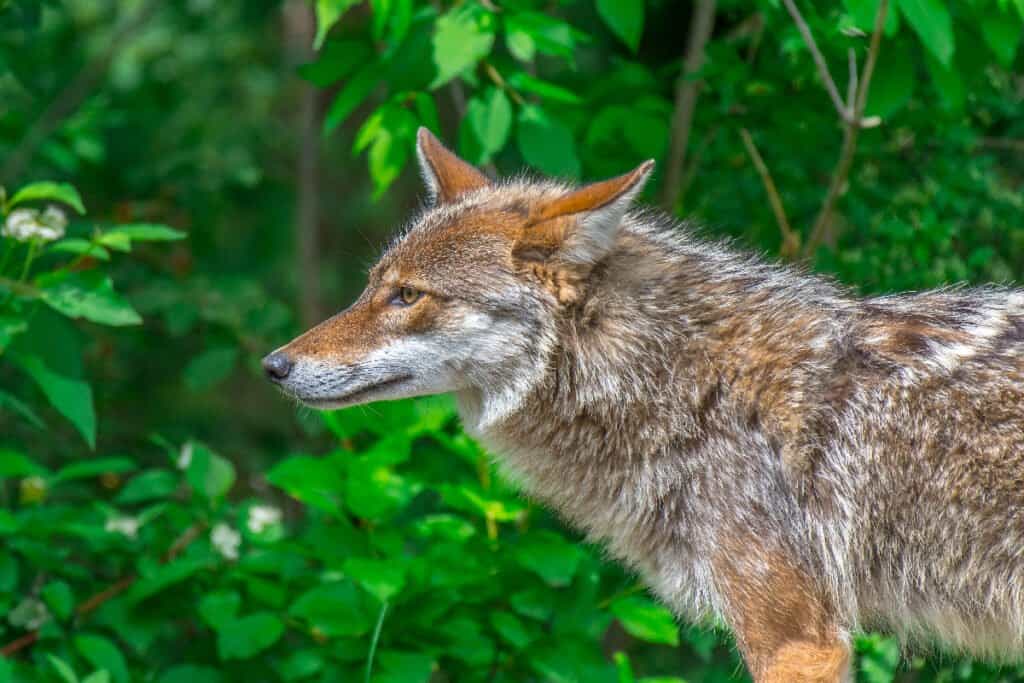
<point x="447" y="176"/>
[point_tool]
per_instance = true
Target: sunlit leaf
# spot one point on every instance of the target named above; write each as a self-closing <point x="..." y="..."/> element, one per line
<point x="50" y="191"/>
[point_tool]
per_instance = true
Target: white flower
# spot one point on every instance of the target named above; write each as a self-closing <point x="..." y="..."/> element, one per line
<point x="126" y="526"/>
<point x="261" y="517"/>
<point x="29" y="614"/>
<point x="226" y="540"/>
<point x="185" y="457"/>
<point x="27" y="224"/>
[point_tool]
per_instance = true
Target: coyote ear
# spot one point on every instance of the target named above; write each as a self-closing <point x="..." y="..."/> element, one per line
<point x="580" y="227"/>
<point x="446" y="175"/>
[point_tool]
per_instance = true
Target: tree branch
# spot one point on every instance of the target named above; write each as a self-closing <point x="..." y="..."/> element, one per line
<point x="851" y="128"/>
<point x="819" y="60"/>
<point x="790" y="239"/>
<point x="687" y="89"/>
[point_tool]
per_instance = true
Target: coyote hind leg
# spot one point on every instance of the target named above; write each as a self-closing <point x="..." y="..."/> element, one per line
<point x="803" y="662"/>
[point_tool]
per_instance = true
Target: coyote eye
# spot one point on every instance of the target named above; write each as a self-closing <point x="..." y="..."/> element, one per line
<point x="407" y="296"/>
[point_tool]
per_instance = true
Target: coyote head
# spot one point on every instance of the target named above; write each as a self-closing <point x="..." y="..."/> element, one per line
<point x="469" y="298"/>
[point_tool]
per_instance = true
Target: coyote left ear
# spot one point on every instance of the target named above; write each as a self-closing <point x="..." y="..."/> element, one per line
<point x="447" y="176"/>
<point x="580" y="227"/>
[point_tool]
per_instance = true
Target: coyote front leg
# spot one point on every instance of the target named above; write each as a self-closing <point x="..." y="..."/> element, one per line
<point x="785" y="627"/>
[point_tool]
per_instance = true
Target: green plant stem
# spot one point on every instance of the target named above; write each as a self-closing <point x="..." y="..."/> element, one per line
<point x="373" y="643"/>
<point x="28" y="260"/>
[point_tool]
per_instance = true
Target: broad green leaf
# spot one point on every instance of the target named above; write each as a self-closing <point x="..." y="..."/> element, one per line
<point x="313" y="481"/>
<point x="6" y="672"/>
<point x="625" y="18"/>
<point x="383" y="579"/>
<point x="8" y="573"/>
<point x="116" y="241"/>
<point x="162" y="578"/>
<point x="462" y="37"/>
<point x="79" y="247"/>
<point x="148" y="485"/>
<point x="863" y="13"/>
<point x="58" y="597"/>
<point x="210" y="368"/>
<point x="879" y="658"/>
<point x="248" y="636"/>
<point x="15" y="464"/>
<point x="90" y="296"/>
<point x="66" y="673"/>
<point x="550" y="556"/>
<point x="490" y="118"/>
<point x="336" y="60"/>
<point x="300" y="664"/>
<point x="931" y="21"/>
<point x="646" y="619"/>
<point x="352" y="95"/>
<point x="8" y="525"/>
<point x="218" y="609"/>
<point x="1002" y="34"/>
<point x="145" y="232"/>
<point x="546" y="34"/>
<point x="336" y="609"/>
<point x="405" y="667"/>
<point x="521" y="45"/>
<point x="101" y="676"/>
<point x="94" y="468"/>
<point x="210" y="475"/>
<point x="328" y="12"/>
<point x="948" y="83"/>
<point x="511" y="629"/>
<point x="48" y="190"/>
<point x="374" y="490"/>
<point x="191" y="674"/>
<point x="546" y="144"/>
<point x="71" y="397"/>
<point x="892" y="86"/>
<point x="103" y="654"/>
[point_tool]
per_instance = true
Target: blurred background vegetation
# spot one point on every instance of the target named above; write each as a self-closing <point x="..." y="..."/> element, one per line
<point x="166" y="516"/>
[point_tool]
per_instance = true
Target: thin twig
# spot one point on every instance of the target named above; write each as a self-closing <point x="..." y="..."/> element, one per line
<point x="790" y="239"/>
<point x="819" y="60"/>
<point x="850" y="131"/>
<point x="375" y="640"/>
<point x="851" y="83"/>
<point x="687" y="89"/>
<point x="112" y="591"/>
<point x="1001" y="143"/>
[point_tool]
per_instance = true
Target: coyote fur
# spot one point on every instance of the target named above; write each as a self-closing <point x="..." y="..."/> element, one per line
<point x="758" y="443"/>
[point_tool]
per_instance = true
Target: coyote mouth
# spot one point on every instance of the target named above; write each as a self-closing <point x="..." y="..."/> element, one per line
<point x="355" y="396"/>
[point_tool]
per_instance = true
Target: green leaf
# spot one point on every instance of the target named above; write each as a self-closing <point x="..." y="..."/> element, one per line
<point x="94" y="468"/>
<point x="545" y="33"/>
<point x="103" y="654"/>
<point x="10" y="327"/>
<point x="300" y="664"/>
<point x="1002" y="34"/>
<point x="15" y="464"/>
<point x="625" y="18"/>
<point x="328" y="12"/>
<point x="48" y="190"/>
<point x="520" y="44"/>
<point x="79" y="247"/>
<point x="549" y="91"/>
<point x="352" y="95"/>
<point x="462" y="37"/>
<point x="90" y="296"/>
<point x="550" y="556"/>
<point x="248" y="636"/>
<point x="210" y="368"/>
<point x="145" y="232"/>
<point x="210" y="475"/>
<point x="382" y="579"/>
<point x="58" y="597"/>
<point x="892" y="86"/>
<point x="337" y="60"/>
<point x="336" y="609"/>
<point x="646" y="619"/>
<point x="546" y="144"/>
<point x="490" y="118"/>
<point x="931" y="21"/>
<point x="191" y="674"/>
<point x="948" y="83"/>
<point x="71" y="397"/>
<point x="374" y="490"/>
<point x="101" y="676"/>
<point x="511" y="629"/>
<point x="313" y="481"/>
<point x="863" y="13"/>
<point x="66" y="673"/>
<point x="162" y="578"/>
<point x="149" y="485"/>
<point x="218" y="609"/>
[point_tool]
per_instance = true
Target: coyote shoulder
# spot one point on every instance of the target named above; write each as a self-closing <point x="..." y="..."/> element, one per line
<point x="758" y="443"/>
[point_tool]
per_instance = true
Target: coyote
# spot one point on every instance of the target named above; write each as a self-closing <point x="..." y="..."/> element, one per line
<point x="760" y="444"/>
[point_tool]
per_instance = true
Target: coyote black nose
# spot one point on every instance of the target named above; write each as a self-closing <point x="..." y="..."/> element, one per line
<point x="277" y="366"/>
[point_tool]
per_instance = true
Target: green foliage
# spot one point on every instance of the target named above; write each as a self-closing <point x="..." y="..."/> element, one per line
<point x="156" y="522"/>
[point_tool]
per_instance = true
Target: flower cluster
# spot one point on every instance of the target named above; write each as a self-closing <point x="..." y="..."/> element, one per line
<point x="28" y="224"/>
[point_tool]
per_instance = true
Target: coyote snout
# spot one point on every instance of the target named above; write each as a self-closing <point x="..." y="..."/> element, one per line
<point x="758" y="443"/>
